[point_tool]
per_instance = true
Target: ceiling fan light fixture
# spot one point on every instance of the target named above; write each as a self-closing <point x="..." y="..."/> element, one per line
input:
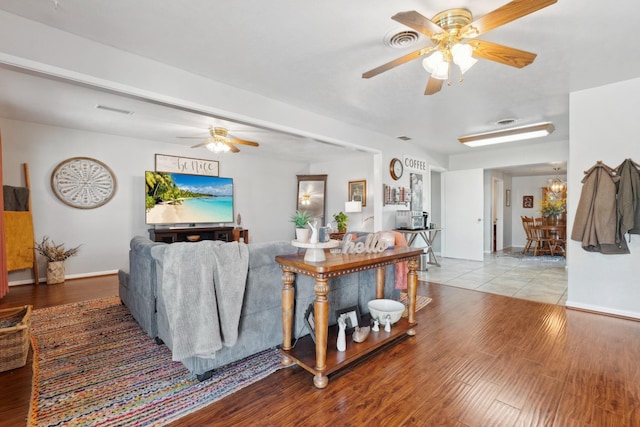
<point x="436" y="66"/>
<point x="461" y="54"/>
<point x="519" y="133"/>
<point x="217" y="146"/>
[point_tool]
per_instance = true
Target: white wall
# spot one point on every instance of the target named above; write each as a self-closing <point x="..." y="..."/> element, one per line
<point x="265" y="197"/>
<point x="604" y="126"/>
<point x="357" y="167"/>
<point x="524" y="186"/>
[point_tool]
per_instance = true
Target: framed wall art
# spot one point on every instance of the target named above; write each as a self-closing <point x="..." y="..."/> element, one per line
<point x="358" y="192"/>
<point x="83" y="182"/>
<point x="527" y="202"/>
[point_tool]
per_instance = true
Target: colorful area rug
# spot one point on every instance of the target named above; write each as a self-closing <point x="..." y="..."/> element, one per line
<point x="421" y="302"/>
<point x="93" y="365"/>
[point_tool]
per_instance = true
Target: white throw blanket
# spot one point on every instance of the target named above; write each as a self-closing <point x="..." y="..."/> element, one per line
<point x="203" y="288"/>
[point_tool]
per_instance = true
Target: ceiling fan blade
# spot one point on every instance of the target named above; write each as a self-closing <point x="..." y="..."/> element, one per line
<point x="503" y="15"/>
<point x="245" y="142"/>
<point x="433" y="86"/>
<point x="399" y="61"/>
<point x="418" y="22"/>
<point x="502" y="54"/>
<point x="232" y="147"/>
<point x="202" y="144"/>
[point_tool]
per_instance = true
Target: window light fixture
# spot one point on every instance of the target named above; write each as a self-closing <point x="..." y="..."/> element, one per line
<point x="518" y="133"/>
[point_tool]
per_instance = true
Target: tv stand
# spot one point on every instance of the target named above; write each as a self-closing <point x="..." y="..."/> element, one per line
<point x="194" y="234"/>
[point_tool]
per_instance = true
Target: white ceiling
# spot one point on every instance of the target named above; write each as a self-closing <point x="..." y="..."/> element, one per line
<point x="312" y="55"/>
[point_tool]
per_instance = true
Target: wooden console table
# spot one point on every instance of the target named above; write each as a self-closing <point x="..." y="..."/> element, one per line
<point x="320" y="358"/>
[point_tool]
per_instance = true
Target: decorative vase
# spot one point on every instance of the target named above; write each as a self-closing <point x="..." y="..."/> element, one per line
<point x="552" y="219"/>
<point x="55" y="272"/>
<point x="302" y="235"/>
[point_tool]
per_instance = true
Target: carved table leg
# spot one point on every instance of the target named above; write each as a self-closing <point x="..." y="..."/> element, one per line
<point x="321" y="309"/>
<point x="412" y="288"/>
<point x="380" y="282"/>
<point x="287" y="313"/>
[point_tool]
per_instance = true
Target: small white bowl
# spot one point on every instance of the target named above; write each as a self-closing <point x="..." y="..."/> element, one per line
<point x="380" y="308"/>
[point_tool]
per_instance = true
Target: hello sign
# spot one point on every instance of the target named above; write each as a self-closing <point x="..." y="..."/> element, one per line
<point x="373" y="244"/>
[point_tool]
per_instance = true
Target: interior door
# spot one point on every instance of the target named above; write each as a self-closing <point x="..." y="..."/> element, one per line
<point x="498" y="213"/>
<point x="464" y="206"/>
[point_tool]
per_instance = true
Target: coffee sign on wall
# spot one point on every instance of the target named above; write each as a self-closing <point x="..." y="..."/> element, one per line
<point x="415" y="164"/>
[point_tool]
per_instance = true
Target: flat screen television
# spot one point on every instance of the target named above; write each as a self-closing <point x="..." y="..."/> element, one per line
<point x="176" y="198"/>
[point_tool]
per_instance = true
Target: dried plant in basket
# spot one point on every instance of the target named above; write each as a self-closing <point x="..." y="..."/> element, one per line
<point x="53" y="252"/>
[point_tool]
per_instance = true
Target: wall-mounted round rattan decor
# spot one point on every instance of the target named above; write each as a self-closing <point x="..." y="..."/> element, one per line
<point x="83" y="183"/>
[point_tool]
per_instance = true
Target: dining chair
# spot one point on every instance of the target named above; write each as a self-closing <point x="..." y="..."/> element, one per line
<point x="558" y="244"/>
<point x="527" y="223"/>
<point x="541" y="240"/>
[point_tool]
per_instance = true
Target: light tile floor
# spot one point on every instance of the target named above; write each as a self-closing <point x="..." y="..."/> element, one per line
<point x="508" y="272"/>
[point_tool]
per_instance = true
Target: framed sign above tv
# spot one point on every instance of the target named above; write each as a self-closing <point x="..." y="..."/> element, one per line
<point x="188" y="165"/>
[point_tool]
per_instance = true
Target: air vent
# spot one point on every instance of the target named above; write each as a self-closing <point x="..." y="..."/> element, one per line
<point x="404" y="138"/>
<point x="401" y="39"/>
<point x="506" y="122"/>
<point x="114" y="110"/>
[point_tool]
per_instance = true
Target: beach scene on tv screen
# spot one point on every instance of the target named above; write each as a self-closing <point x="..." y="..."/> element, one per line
<point x="173" y="198"/>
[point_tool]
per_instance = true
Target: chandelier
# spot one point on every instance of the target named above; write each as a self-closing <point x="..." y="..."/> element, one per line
<point x="556" y="185"/>
<point x="219" y="142"/>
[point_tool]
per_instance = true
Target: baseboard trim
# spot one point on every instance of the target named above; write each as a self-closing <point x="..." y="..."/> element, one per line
<point x="595" y="309"/>
<point x="69" y="277"/>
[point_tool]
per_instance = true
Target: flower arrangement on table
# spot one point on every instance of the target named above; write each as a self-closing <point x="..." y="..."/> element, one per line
<point x="552" y="206"/>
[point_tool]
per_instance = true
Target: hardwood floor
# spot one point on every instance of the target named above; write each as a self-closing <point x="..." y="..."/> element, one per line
<point x="478" y="359"/>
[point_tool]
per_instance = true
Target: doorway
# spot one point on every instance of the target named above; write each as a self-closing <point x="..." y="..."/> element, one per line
<point x="497" y="214"/>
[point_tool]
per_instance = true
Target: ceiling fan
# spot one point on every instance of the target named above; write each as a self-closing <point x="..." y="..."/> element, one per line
<point x="453" y="34"/>
<point x="220" y="141"/>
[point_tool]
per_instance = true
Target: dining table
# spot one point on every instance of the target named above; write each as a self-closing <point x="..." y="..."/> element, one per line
<point x="555" y="235"/>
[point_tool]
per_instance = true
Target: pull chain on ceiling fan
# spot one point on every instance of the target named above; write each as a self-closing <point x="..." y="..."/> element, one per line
<point x="449" y="29"/>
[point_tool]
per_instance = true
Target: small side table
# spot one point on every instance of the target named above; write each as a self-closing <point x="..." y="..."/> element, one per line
<point x="428" y="235"/>
<point x="315" y="251"/>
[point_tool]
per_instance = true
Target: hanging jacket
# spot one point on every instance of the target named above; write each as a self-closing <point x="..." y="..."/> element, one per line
<point x="596" y="220"/>
<point x="629" y="197"/>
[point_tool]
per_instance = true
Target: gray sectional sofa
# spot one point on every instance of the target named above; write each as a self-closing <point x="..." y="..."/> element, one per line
<point x="260" y="320"/>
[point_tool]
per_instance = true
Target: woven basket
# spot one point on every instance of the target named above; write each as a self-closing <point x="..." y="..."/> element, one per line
<point x="15" y="327"/>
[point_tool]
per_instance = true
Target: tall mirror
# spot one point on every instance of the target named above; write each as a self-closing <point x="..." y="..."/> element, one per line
<point x="311" y="196"/>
